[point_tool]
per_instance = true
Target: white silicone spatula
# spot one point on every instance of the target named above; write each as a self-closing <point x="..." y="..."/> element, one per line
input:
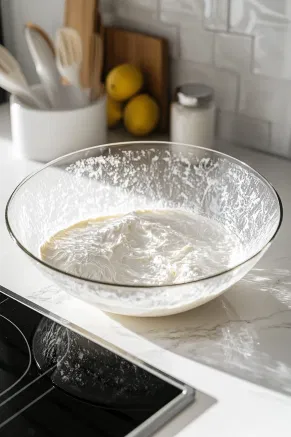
<point x="45" y="64"/>
<point x="69" y="56"/>
<point x="13" y="80"/>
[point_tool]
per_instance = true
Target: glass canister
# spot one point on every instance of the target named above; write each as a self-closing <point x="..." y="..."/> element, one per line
<point x="193" y="115"/>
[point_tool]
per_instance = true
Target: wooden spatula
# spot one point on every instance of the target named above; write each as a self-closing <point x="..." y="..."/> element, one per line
<point x="96" y="82"/>
<point x="81" y="16"/>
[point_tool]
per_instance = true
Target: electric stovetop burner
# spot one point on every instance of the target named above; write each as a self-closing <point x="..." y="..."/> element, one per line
<point x="15" y="355"/>
<point x="54" y="382"/>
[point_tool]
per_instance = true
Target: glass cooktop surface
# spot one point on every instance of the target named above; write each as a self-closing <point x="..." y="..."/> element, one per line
<point x="54" y="382"/>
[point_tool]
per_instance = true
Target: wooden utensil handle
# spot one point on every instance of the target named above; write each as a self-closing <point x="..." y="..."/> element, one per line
<point x="81" y="15"/>
<point x="96" y="82"/>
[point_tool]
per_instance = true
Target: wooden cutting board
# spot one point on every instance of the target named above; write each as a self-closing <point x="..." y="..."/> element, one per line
<point x="81" y="15"/>
<point x="147" y="52"/>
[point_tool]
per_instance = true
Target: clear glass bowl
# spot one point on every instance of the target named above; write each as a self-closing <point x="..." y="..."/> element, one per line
<point x="122" y="177"/>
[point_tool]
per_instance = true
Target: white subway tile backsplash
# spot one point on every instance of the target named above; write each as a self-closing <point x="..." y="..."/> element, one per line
<point x="233" y="52"/>
<point x="281" y="139"/>
<point x="225" y="83"/>
<point x="106" y="6"/>
<point x="242" y="48"/>
<point x="107" y="9"/>
<point x="181" y="11"/>
<point x="15" y="14"/>
<point x="216" y="14"/>
<point x="246" y="15"/>
<point x="265" y="98"/>
<point x="196" y="43"/>
<point x="272" y="54"/>
<point x="141" y="10"/>
<point x="148" y="4"/>
<point x="244" y="130"/>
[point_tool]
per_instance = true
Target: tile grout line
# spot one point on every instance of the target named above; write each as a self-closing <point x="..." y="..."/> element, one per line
<point x="214" y="42"/>
<point x="159" y="10"/>
<point x="270" y="130"/>
<point x="238" y="94"/>
<point x="228" y="16"/>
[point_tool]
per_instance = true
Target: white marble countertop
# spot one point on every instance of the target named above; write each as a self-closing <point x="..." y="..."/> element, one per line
<point x="234" y="350"/>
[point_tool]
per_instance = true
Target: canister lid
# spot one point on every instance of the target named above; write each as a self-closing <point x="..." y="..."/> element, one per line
<point x="194" y="94"/>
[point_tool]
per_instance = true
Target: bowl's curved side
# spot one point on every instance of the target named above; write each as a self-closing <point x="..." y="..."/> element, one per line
<point x="154" y="301"/>
<point x="38" y="198"/>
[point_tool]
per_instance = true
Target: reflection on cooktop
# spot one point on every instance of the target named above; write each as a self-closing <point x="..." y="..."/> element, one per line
<point x="54" y="382"/>
<point x="93" y="373"/>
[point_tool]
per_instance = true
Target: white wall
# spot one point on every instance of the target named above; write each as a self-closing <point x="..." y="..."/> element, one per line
<point x="46" y="13"/>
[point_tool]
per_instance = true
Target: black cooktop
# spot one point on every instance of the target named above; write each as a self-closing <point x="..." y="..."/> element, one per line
<point x="54" y="382"/>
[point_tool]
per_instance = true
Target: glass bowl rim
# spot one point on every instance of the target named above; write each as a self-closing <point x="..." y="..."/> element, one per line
<point x="132" y="286"/>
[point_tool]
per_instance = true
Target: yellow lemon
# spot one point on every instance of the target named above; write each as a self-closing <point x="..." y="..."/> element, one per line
<point x="123" y="82"/>
<point x="114" y="112"/>
<point x="141" y="115"/>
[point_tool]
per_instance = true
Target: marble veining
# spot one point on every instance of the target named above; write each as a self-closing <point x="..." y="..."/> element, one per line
<point x="245" y="332"/>
<point x="247" y="341"/>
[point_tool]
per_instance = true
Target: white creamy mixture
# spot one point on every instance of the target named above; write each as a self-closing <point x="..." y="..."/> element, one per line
<point x="143" y="247"/>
